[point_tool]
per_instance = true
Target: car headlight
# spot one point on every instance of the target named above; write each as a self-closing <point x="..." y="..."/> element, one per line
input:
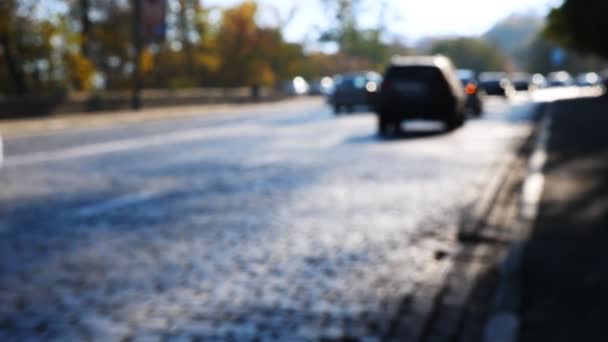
<point x="372" y="87"/>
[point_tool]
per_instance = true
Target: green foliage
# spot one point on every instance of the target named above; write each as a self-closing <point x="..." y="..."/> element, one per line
<point x="580" y="25"/>
<point x="471" y="53"/>
<point x="358" y="44"/>
<point x="539" y="53"/>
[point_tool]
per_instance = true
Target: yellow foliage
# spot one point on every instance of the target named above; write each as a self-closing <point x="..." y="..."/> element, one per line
<point x="265" y="76"/>
<point x="80" y="69"/>
<point x="146" y="61"/>
<point x="209" y="61"/>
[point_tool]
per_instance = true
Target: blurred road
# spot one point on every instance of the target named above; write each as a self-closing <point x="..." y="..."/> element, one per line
<point x="281" y="221"/>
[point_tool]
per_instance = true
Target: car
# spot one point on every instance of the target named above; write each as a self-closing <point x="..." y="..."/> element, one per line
<point x="538" y="81"/>
<point x="321" y="86"/>
<point x="296" y="87"/>
<point x="559" y="79"/>
<point x="588" y="79"/>
<point x="521" y="81"/>
<point x="474" y="103"/>
<point x="496" y="83"/>
<point x="420" y="87"/>
<point x="354" y="89"/>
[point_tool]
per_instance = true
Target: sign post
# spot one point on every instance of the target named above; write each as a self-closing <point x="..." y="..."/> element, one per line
<point x="148" y="26"/>
<point x="137" y="46"/>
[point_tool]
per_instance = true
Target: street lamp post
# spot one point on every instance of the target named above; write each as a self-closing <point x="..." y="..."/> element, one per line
<point x="137" y="46"/>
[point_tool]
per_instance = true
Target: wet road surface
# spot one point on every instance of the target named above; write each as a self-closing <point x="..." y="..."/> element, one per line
<point x="282" y="222"/>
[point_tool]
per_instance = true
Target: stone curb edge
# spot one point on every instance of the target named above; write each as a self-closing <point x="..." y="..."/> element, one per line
<point x="504" y="323"/>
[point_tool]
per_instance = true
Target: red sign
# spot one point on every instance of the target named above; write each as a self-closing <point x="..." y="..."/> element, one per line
<point x="153" y="20"/>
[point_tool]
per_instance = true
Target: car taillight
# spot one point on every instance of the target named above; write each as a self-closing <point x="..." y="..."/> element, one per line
<point x="471" y="89"/>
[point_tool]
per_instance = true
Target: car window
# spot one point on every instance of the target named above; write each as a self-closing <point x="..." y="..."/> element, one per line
<point x="359" y="82"/>
<point x="420" y="73"/>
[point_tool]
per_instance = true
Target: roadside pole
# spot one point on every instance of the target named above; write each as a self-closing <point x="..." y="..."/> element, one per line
<point x="137" y="46"/>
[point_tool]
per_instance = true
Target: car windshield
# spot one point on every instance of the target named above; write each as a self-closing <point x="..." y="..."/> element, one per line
<point x="355" y="81"/>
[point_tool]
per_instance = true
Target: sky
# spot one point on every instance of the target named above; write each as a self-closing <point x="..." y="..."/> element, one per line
<point x="407" y="19"/>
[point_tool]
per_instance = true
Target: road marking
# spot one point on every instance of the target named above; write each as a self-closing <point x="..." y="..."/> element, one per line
<point x="118" y="203"/>
<point x="503" y="326"/>
<point x="122" y="145"/>
<point x="534" y="183"/>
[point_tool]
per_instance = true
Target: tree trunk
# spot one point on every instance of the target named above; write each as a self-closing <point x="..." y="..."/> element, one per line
<point x="86" y="27"/>
<point x="14" y="69"/>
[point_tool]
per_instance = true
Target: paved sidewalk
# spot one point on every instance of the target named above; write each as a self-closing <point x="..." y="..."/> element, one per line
<point x="565" y="262"/>
<point x="103" y="119"/>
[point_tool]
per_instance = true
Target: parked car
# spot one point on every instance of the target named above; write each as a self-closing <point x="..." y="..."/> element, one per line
<point x="539" y="81"/>
<point x="297" y="86"/>
<point x="474" y="103"/>
<point x="521" y="81"/>
<point x="588" y="79"/>
<point x="425" y="87"/>
<point x="559" y="79"/>
<point x="496" y="83"/>
<point x="354" y="89"/>
<point x="321" y="86"/>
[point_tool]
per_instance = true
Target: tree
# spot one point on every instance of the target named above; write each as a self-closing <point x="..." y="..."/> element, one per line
<point x="539" y="58"/>
<point x="351" y="40"/>
<point x="580" y="25"/>
<point x="250" y="54"/>
<point x="8" y="28"/>
<point x="470" y="53"/>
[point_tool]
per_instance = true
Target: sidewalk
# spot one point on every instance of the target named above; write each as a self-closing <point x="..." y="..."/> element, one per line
<point x="40" y="125"/>
<point x="565" y="262"/>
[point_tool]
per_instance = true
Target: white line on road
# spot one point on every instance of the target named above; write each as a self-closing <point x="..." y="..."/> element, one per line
<point x="534" y="183"/>
<point x="504" y="326"/>
<point x="121" y="145"/>
<point x="118" y="203"/>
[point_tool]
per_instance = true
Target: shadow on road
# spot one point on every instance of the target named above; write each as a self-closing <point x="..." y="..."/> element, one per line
<point x="404" y="134"/>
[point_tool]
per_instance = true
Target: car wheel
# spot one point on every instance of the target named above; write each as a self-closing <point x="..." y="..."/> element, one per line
<point x="455" y="121"/>
<point x="337" y="109"/>
<point x="478" y="112"/>
<point x="383" y="125"/>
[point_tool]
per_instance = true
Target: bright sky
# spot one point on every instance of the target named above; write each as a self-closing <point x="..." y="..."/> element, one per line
<point x="410" y="19"/>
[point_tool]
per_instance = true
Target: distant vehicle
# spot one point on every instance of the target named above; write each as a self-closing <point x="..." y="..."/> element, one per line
<point x="496" y="83"/>
<point x="297" y="86"/>
<point x="420" y="88"/>
<point x="538" y="81"/>
<point x="521" y="81"/>
<point x="474" y="104"/>
<point x="559" y="79"/>
<point x="354" y="89"/>
<point x="588" y="79"/>
<point x="321" y="86"/>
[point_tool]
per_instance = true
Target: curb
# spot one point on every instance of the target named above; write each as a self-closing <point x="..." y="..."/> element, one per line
<point x="504" y="323"/>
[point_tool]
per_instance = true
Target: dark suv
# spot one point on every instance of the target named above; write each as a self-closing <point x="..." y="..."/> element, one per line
<point x="420" y="88"/>
<point x="354" y="89"/>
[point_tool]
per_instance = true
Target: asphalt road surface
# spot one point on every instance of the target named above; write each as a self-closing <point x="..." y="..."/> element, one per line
<point x="278" y="222"/>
